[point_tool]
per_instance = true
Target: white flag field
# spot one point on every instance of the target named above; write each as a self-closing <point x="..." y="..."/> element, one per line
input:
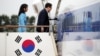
<point x="28" y="44"/>
<point x="2" y="44"/>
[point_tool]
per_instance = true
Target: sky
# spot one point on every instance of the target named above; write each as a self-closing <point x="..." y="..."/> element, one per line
<point x="10" y="7"/>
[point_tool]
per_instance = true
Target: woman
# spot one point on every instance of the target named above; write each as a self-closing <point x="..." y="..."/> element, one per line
<point x="22" y="17"/>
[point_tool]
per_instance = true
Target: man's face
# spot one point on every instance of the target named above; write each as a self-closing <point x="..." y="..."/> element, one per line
<point x="49" y="9"/>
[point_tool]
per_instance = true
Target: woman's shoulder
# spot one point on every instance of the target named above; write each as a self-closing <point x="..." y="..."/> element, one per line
<point x="22" y="14"/>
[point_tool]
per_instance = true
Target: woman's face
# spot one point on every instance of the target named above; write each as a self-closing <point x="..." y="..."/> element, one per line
<point x="26" y="9"/>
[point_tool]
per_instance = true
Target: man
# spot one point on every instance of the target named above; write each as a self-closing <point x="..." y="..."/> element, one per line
<point x="43" y="18"/>
<point x="87" y="22"/>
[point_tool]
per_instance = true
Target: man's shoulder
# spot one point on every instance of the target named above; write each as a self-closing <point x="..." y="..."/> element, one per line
<point x="43" y="11"/>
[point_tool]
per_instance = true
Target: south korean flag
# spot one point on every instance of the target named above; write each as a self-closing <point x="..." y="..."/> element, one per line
<point x="29" y="44"/>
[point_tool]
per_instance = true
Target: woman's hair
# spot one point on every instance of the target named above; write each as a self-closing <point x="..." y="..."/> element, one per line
<point x="21" y="10"/>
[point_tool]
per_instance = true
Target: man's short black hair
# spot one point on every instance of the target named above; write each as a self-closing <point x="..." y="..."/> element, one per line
<point x="48" y="5"/>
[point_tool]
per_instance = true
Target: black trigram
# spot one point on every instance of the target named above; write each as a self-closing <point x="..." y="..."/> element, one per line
<point x="38" y="39"/>
<point x="18" y="39"/>
<point x="38" y="52"/>
<point x="18" y="53"/>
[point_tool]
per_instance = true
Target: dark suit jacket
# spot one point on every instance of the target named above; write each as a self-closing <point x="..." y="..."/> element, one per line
<point x="43" y="19"/>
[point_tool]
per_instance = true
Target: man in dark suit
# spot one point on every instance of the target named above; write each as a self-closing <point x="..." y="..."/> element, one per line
<point x="43" y="18"/>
